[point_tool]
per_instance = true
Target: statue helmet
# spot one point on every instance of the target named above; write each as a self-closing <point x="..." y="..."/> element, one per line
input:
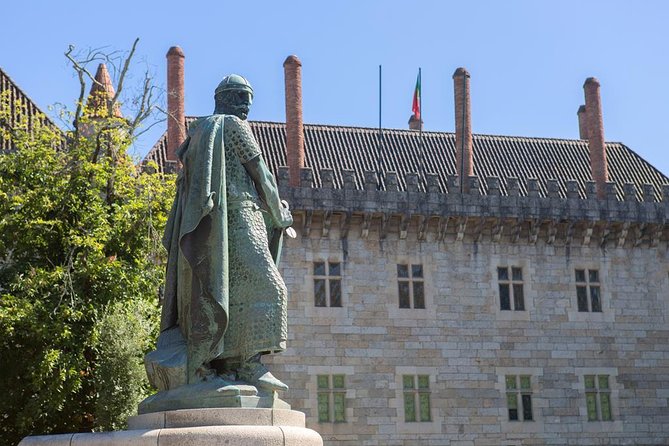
<point x="234" y="82"/>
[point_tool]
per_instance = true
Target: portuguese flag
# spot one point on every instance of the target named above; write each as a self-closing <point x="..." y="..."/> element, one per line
<point x="415" y="108"/>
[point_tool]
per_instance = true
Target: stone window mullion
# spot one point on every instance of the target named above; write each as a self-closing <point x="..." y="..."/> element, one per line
<point x="327" y="284"/>
<point x="331" y="391"/>
<point x="410" y="286"/>
<point x="416" y="398"/>
<point x="519" y="397"/>
<point x="598" y="397"/>
<point x="511" y="291"/>
<point x="588" y="291"/>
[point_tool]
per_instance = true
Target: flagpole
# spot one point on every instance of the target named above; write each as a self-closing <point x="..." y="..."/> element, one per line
<point x="421" y="160"/>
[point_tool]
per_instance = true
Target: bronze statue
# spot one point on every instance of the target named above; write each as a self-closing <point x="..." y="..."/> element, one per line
<point x="225" y="301"/>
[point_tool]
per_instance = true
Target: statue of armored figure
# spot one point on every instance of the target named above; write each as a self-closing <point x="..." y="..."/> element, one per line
<point x="225" y="301"/>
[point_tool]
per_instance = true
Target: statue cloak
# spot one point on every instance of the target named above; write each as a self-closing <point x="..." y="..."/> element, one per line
<point x="197" y="284"/>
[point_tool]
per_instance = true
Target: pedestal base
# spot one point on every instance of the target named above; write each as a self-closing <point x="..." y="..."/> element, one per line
<point x="201" y="427"/>
<point x="214" y="393"/>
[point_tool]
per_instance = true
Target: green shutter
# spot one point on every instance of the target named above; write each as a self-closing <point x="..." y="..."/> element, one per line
<point x="337" y="381"/>
<point x="589" y="381"/>
<point x="408" y="382"/>
<point x="591" y="401"/>
<point x="323" y="382"/>
<point x="603" y="381"/>
<point x="323" y="407"/>
<point x="339" y="399"/>
<point x="409" y="407"/>
<point x="510" y="382"/>
<point x="512" y="400"/>
<point x="605" y="401"/>
<point x="424" y="400"/>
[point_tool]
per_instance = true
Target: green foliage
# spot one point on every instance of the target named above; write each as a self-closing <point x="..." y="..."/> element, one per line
<point x="80" y="266"/>
<point x="125" y="335"/>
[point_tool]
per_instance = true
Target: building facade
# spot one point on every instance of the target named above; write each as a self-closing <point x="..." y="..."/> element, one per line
<point x="462" y="289"/>
<point x="477" y="319"/>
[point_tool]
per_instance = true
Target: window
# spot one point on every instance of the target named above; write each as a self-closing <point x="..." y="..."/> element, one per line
<point x="416" y="398"/>
<point x="519" y="397"/>
<point x="588" y="295"/>
<point x="511" y="295"/>
<point x="331" y="399"/>
<point x="327" y="284"/>
<point x="598" y="397"/>
<point x="410" y="284"/>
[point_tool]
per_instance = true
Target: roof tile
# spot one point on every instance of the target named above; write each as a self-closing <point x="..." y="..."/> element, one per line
<point x="505" y="157"/>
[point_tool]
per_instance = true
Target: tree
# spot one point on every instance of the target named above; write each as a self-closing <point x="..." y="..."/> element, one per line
<point x="80" y="266"/>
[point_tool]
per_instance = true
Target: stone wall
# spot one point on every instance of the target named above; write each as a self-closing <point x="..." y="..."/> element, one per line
<point x="462" y="340"/>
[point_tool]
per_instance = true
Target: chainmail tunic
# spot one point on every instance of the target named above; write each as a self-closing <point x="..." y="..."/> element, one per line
<point x="257" y="307"/>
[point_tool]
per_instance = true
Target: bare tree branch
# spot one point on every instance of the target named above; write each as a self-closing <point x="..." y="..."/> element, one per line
<point x="144" y="102"/>
<point x="137" y="134"/>
<point x="121" y="77"/>
<point x="80" y="65"/>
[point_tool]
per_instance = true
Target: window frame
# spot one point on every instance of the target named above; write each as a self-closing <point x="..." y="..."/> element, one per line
<point x="511" y="283"/>
<point x="538" y="401"/>
<point x="418" y="427"/>
<point x="411" y="281"/>
<point x="416" y="394"/>
<point x="311" y="401"/>
<point x="597" y="392"/>
<point x="328" y="279"/>
<point x="518" y="390"/>
<point x="587" y="285"/>
<point x="331" y="394"/>
<point x="598" y="426"/>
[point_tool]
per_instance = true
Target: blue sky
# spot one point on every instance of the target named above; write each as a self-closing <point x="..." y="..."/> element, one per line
<point x="528" y="59"/>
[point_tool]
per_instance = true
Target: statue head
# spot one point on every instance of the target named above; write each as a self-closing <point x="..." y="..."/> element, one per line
<point x="233" y="96"/>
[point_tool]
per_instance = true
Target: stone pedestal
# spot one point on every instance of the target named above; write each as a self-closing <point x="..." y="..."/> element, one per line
<point x="198" y="427"/>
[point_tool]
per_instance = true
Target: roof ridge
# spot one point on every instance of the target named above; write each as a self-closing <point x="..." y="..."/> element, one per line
<point x="432" y="132"/>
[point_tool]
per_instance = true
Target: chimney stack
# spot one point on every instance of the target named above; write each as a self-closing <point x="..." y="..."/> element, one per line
<point x="464" y="159"/>
<point x="294" y="126"/>
<point x="595" y="129"/>
<point x="176" y="116"/>
<point x="582" y="123"/>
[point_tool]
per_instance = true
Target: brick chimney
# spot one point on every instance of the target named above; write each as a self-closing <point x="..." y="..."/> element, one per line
<point x="294" y="126"/>
<point x="582" y="123"/>
<point x="464" y="159"/>
<point x="595" y="129"/>
<point x="176" y="116"/>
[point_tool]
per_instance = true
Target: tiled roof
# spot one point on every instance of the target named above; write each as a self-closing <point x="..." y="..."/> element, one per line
<point x="358" y="149"/>
<point x="17" y="96"/>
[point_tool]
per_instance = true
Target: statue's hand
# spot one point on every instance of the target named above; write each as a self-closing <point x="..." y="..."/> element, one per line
<point x="285" y="218"/>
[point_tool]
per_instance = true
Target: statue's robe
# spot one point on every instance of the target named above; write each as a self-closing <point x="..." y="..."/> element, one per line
<point x="224" y="297"/>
